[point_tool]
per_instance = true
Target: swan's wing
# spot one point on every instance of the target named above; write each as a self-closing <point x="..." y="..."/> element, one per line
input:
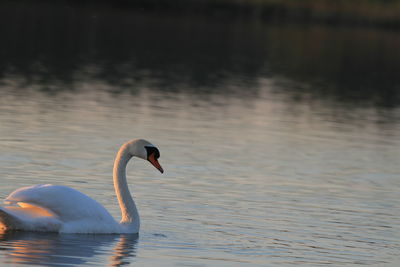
<point x="28" y="218"/>
<point x="65" y="203"/>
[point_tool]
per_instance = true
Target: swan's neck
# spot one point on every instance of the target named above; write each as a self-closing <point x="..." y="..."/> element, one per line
<point x="130" y="215"/>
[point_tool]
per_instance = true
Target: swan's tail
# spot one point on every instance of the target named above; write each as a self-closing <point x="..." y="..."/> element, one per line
<point x="28" y="218"/>
<point x="9" y="221"/>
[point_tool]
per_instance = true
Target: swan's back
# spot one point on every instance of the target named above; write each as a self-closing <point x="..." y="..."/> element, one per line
<point x="77" y="212"/>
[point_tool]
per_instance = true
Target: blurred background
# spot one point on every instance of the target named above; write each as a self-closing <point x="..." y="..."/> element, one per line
<point x="277" y="121"/>
<point x="335" y="50"/>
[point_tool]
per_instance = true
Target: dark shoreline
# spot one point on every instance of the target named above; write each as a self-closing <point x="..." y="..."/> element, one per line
<point x="56" y="46"/>
<point x="356" y="13"/>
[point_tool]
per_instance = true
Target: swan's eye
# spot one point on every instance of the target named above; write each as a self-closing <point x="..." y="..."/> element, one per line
<point x="152" y="150"/>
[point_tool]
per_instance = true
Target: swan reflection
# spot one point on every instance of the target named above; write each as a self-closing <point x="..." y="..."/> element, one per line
<point x="52" y="249"/>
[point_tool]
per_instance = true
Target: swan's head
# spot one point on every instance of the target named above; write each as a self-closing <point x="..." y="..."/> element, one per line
<point x="145" y="150"/>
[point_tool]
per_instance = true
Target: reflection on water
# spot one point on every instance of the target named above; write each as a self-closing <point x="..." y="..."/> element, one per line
<point x="261" y="181"/>
<point x="50" y="249"/>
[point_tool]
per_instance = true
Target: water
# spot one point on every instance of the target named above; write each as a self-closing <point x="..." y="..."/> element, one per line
<point x="279" y="147"/>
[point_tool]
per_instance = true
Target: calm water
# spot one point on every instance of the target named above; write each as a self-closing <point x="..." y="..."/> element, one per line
<point x="280" y="143"/>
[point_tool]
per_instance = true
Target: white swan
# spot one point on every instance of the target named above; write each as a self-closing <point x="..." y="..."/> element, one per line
<point x="55" y="208"/>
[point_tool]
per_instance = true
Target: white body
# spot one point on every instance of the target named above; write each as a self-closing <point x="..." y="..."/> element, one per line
<point x="54" y="208"/>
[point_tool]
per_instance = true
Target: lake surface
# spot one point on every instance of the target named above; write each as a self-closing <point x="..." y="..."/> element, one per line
<point x="280" y="143"/>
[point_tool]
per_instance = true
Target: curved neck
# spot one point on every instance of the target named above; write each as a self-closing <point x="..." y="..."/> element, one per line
<point x="129" y="211"/>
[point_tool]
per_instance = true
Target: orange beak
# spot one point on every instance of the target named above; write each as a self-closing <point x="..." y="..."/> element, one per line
<point x="155" y="163"/>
